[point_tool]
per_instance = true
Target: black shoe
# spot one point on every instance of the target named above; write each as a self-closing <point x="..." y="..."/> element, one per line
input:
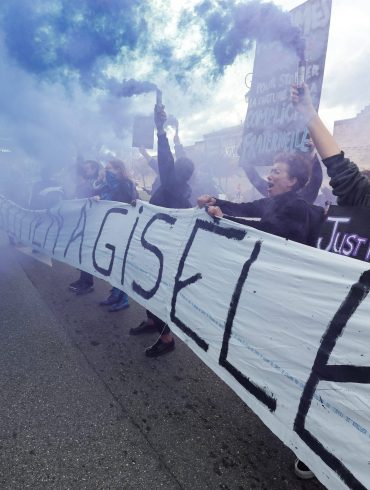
<point x="111" y="300"/>
<point x="84" y="289"/>
<point x="74" y="286"/>
<point x="160" y="348"/>
<point x="144" y="327"/>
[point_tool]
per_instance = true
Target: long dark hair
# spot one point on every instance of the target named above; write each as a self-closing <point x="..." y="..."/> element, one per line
<point x="120" y="168"/>
<point x="80" y="170"/>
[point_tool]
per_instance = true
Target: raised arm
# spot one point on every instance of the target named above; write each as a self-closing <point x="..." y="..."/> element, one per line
<point x="321" y="136"/>
<point x="256" y="180"/>
<point x="351" y="187"/>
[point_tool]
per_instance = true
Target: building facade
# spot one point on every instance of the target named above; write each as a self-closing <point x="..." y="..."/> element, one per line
<point x="353" y="136"/>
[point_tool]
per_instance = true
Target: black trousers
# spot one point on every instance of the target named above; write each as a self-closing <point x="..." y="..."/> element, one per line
<point x="161" y="326"/>
<point x="86" y="278"/>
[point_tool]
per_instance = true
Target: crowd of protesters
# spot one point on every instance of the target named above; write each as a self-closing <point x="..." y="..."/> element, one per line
<point x="292" y="206"/>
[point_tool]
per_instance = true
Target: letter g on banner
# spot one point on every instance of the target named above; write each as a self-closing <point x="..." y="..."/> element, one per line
<point x="109" y="246"/>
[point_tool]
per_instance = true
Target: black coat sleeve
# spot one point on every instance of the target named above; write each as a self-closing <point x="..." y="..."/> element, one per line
<point x="291" y="222"/>
<point x="166" y="164"/>
<point x="348" y="183"/>
<point x="252" y="209"/>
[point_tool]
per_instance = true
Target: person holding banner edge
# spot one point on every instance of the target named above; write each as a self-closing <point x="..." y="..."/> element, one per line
<point x="284" y="213"/>
<point x="173" y="192"/>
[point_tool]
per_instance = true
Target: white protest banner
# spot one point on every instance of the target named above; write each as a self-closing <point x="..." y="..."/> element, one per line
<point x="283" y="324"/>
<point x="272" y="125"/>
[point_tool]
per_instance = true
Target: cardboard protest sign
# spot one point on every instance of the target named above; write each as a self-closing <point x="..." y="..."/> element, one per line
<point x="283" y="324"/>
<point x="272" y="125"/>
<point x="346" y="231"/>
<point x="143" y="132"/>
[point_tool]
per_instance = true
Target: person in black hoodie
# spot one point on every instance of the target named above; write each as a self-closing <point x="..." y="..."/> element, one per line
<point x="284" y="213"/>
<point x="173" y="192"/>
<point x="87" y="174"/>
<point x="350" y="185"/>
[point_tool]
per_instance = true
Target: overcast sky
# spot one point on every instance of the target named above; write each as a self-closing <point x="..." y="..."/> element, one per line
<point x="346" y="86"/>
<point x="55" y="100"/>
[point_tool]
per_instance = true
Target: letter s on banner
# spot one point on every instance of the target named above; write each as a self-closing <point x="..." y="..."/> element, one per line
<point x="147" y="294"/>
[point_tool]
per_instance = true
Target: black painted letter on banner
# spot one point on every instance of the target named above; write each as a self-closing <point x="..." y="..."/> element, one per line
<point x="230" y="233"/>
<point x="322" y="371"/>
<point x="80" y="234"/>
<point x="253" y="389"/>
<point x="128" y="246"/>
<point x="109" y="246"/>
<point x="155" y="250"/>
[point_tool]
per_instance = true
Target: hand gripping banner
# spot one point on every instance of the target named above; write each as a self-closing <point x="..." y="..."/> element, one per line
<point x="286" y="326"/>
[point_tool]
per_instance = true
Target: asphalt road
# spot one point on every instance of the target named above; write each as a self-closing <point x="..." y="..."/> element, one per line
<point x="83" y="408"/>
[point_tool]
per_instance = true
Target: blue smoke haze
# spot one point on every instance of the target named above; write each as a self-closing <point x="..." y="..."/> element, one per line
<point x="66" y="64"/>
<point x="231" y="28"/>
<point x="70" y="37"/>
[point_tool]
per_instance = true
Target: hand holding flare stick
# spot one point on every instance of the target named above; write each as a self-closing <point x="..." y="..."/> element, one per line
<point x="321" y="136"/>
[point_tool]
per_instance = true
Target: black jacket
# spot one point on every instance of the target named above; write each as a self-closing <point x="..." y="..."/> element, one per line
<point x="172" y="192"/>
<point x="348" y="183"/>
<point x="286" y="215"/>
<point x="119" y="190"/>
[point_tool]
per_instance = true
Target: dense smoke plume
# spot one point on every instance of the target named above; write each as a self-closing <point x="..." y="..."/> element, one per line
<point x="230" y="28"/>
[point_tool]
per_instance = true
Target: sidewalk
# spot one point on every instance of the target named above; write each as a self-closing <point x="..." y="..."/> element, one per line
<point x="60" y="425"/>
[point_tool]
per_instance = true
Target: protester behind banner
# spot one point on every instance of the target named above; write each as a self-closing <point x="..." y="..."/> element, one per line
<point x="284" y="212"/>
<point x="309" y="192"/>
<point x="349" y="184"/>
<point x="118" y="187"/>
<point x="173" y="192"/>
<point x="153" y="162"/>
<point x="87" y="173"/>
